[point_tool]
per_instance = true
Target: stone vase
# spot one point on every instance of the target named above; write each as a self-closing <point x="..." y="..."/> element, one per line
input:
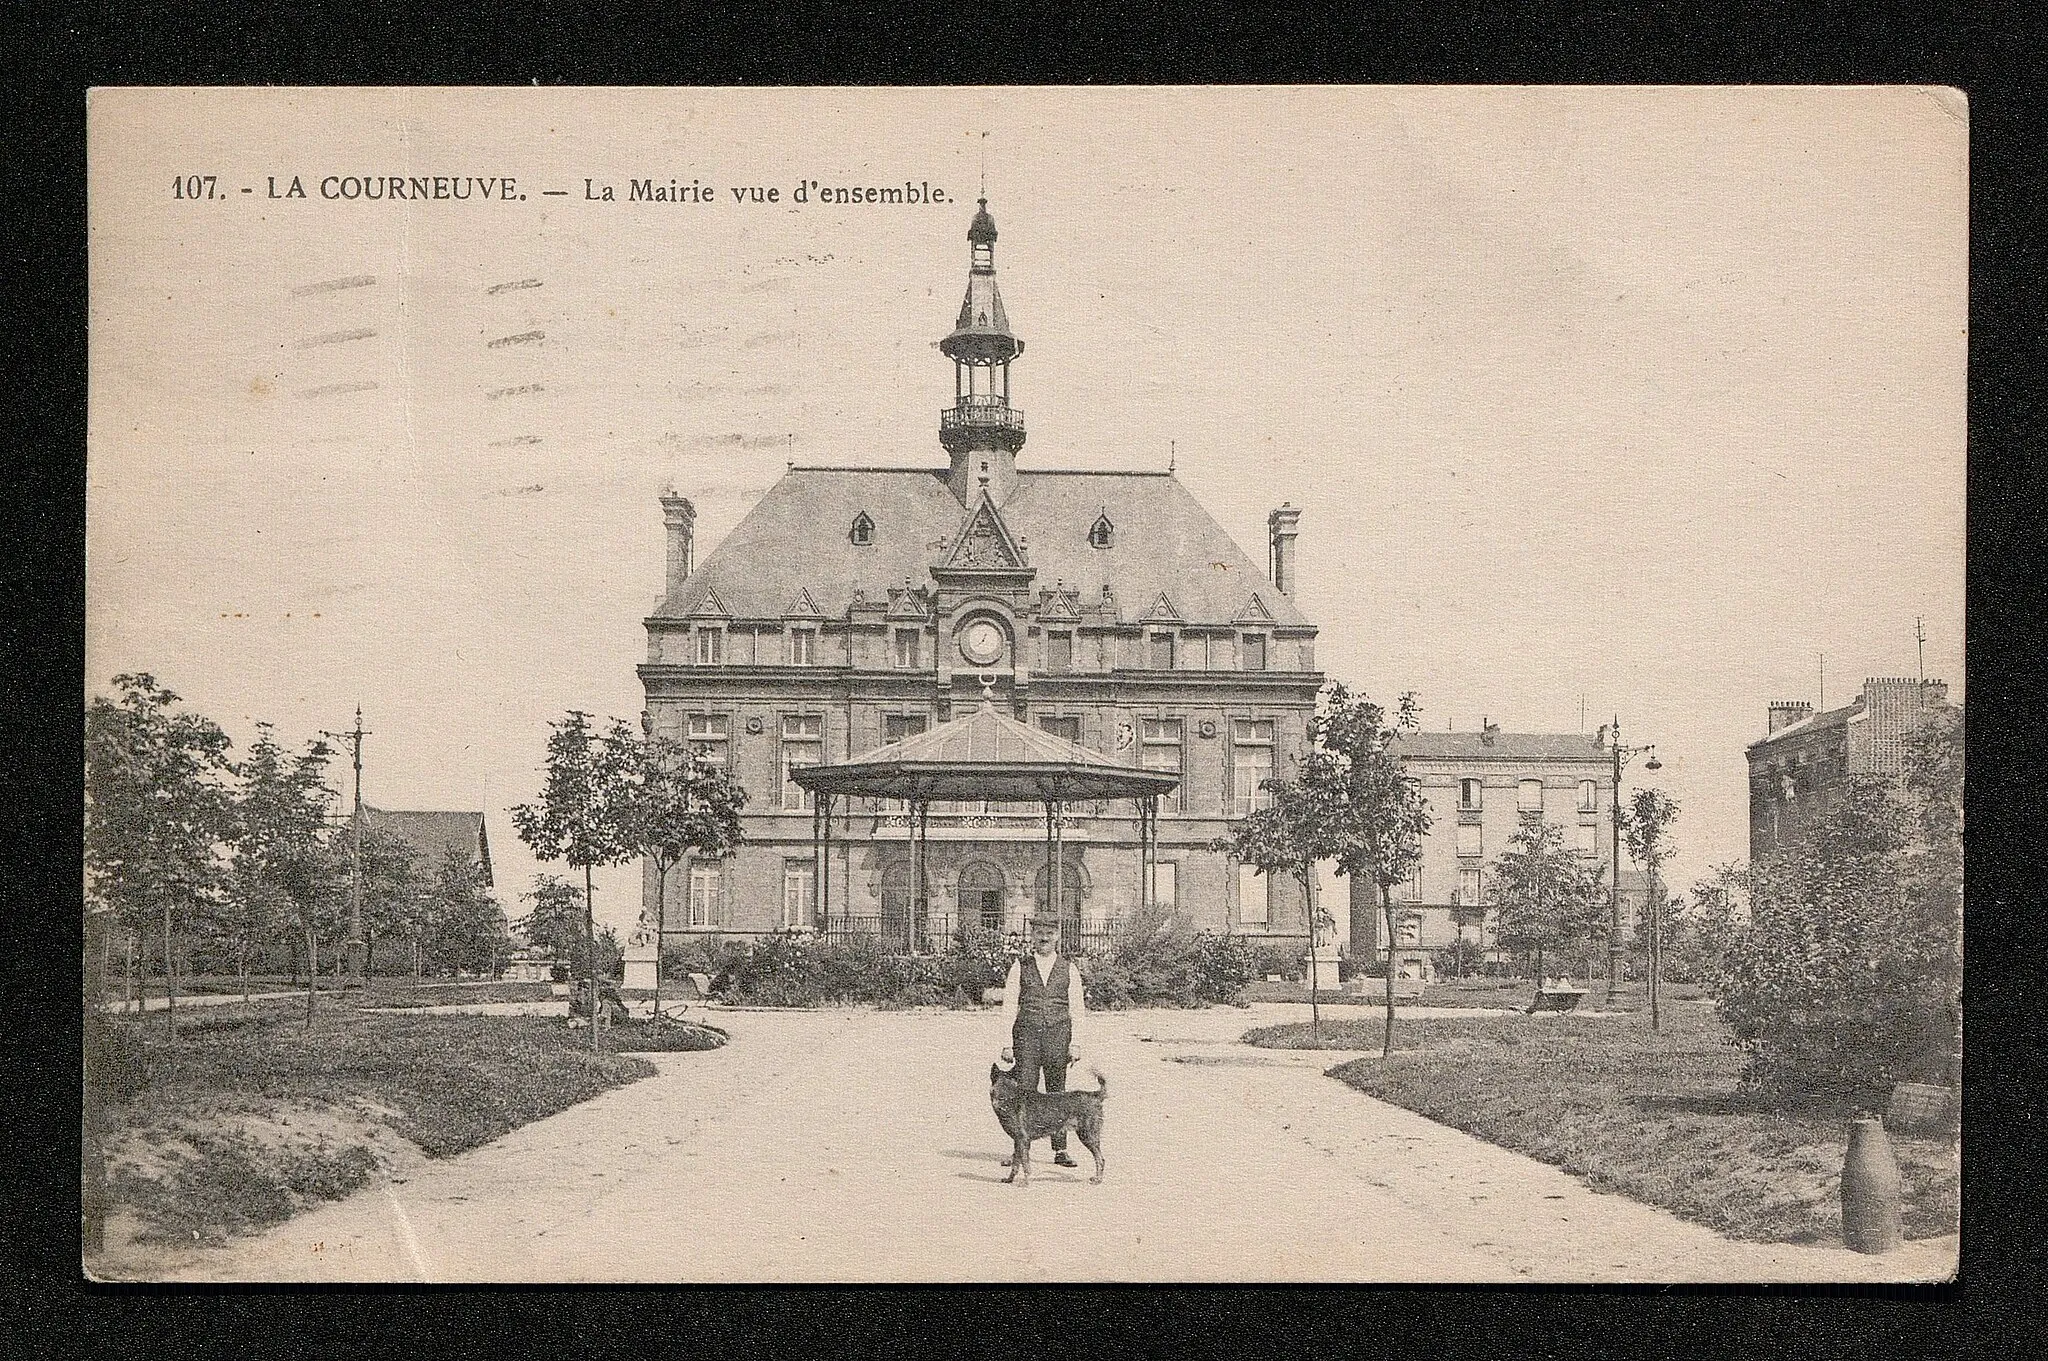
<point x="1871" y="1190"/>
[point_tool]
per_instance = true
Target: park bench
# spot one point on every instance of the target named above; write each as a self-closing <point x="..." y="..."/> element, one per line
<point x="1556" y="999"/>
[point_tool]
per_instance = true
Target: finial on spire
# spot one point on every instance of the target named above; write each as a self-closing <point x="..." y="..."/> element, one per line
<point x="1171" y="455"/>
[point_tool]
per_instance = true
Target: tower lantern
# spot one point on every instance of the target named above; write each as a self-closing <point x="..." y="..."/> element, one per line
<point x="981" y="431"/>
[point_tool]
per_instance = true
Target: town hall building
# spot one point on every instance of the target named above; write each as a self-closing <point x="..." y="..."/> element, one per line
<point x="855" y="606"/>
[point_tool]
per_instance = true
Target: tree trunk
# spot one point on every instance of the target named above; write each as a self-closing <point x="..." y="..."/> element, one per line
<point x="369" y="957"/>
<point x="660" y="926"/>
<point x="128" y="996"/>
<point x="170" y="979"/>
<point x="1656" y="939"/>
<point x="1387" y="914"/>
<point x="312" y="972"/>
<point x="1315" y="1011"/>
<point x="590" y="952"/>
<point x="242" y="968"/>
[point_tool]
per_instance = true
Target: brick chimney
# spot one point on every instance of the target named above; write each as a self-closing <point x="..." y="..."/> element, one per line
<point x="680" y="517"/>
<point x="1784" y="713"/>
<point x="1280" y="532"/>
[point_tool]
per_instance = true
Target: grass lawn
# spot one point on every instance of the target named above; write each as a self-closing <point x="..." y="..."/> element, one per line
<point x="1652" y="1115"/>
<point x="254" y="1117"/>
<point x="383" y="993"/>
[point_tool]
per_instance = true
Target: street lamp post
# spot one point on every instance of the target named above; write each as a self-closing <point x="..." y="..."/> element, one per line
<point x="1622" y="756"/>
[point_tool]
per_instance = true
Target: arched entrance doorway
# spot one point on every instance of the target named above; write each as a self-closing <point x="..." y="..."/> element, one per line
<point x="981" y="895"/>
<point x="1070" y="902"/>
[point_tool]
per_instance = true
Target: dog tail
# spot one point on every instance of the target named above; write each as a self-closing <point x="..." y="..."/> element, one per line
<point x="1101" y="1082"/>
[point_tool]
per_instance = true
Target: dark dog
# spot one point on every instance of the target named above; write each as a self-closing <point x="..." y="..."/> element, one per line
<point x="1026" y="1115"/>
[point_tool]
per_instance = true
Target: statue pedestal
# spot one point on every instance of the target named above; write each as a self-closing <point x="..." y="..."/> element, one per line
<point x="1324" y="973"/>
<point x="639" y="967"/>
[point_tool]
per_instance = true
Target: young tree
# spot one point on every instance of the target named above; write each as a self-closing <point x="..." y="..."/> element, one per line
<point x="468" y="930"/>
<point x="576" y="818"/>
<point x="282" y="849"/>
<point x="555" y="920"/>
<point x="156" y="811"/>
<point x="1646" y="826"/>
<point x="673" y="806"/>
<point x="1288" y="837"/>
<point x="393" y="885"/>
<point x="1545" y="896"/>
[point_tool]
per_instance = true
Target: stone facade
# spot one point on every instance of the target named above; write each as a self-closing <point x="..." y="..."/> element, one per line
<point x="1799" y="768"/>
<point x="1479" y="786"/>
<point x="857" y="605"/>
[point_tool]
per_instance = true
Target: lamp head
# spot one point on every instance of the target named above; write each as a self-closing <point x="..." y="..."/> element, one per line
<point x="1653" y="763"/>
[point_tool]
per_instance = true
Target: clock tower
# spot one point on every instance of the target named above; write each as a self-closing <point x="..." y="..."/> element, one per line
<point x="981" y="431"/>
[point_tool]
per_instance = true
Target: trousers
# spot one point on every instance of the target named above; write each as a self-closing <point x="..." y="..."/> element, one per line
<point x="1041" y="1048"/>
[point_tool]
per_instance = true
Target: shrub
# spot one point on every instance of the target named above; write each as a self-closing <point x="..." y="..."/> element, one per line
<point x="789" y="970"/>
<point x="1274" y="959"/>
<point x="1162" y="960"/>
<point x="1459" y="959"/>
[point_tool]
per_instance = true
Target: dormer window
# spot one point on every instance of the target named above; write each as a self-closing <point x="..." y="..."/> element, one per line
<point x="1102" y="533"/>
<point x="863" y="531"/>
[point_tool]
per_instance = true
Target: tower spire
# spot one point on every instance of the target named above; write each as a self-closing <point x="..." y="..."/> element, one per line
<point x="981" y="431"/>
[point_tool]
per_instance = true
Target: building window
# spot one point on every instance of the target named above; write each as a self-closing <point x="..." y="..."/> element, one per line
<point x="1102" y="533"/>
<point x="1412" y="890"/>
<point x="1059" y="652"/>
<point x="1470" y="841"/>
<point x="863" y="531"/>
<point x="1471" y="795"/>
<point x="1251" y="765"/>
<point x="1162" y="651"/>
<point x="799" y="892"/>
<point x="803" y="744"/>
<point x="896" y="727"/>
<point x="1251" y="896"/>
<point x="1529" y="796"/>
<point x="710" y="738"/>
<point x="1588" y="839"/>
<point x="710" y="647"/>
<point x="1468" y="888"/>
<point x="1252" y="651"/>
<point x="803" y="647"/>
<point x="1066" y="727"/>
<point x="705" y="884"/>
<point x="1166" y="883"/>
<point x="1163" y="751"/>
<point x="1408" y="930"/>
<point x="1589" y="797"/>
<point x="906" y="649"/>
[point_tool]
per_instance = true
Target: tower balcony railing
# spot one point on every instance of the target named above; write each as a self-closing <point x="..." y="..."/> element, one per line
<point x="981" y="411"/>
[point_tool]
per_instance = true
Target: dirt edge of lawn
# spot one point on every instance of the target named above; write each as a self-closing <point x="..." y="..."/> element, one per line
<point x="1655" y="1116"/>
<point x="255" y="1118"/>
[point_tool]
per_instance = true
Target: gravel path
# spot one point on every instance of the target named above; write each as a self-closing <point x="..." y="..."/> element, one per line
<point x="858" y="1146"/>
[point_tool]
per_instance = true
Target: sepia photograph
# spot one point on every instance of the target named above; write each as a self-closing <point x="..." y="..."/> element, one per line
<point x="1237" y="684"/>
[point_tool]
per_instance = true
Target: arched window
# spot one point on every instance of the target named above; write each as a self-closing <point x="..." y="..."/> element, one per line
<point x="1589" y="797"/>
<point x="1102" y="533"/>
<point x="863" y="532"/>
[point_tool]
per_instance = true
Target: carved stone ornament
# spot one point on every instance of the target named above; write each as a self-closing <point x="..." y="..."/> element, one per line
<point x="754" y="726"/>
<point x="1208" y="727"/>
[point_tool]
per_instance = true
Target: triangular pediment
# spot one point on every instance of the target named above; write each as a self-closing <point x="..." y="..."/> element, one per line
<point x="803" y="605"/>
<point x="1059" y="606"/>
<point x="711" y="606"/>
<point x="905" y="603"/>
<point x="1255" y="611"/>
<point x="985" y="542"/>
<point x="1162" y="610"/>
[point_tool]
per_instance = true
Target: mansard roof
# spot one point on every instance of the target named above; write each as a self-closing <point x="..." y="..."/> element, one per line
<point x="1165" y="542"/>
<point x="1499" y="746"/>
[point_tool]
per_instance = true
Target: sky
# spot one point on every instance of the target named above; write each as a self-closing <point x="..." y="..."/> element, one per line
<point x="1595" y="402"/>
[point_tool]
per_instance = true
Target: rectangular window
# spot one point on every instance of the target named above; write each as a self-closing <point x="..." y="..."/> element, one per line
<point x="1589" y="797"/>
<point x="799" y="892"/>
<point x="1163" y="751"/>
<point x="1588" y="842"/>
<point x="1471" y="795"/>
<point x="803" y="744"/>
<point x="710" y="738"/>
<point x="1251" y="765"/>
<point x="704" y="894"/>
<point x="1468" y="888"/>
<point x="1412" y="890"/>
<point x="1059" y="652"/>
<point x="1166" y="883"/>
<point x="1529" y="796"/>
<point x="906" y="649"/>
<point x="1251" y="896"/>
<point x="1162" y="652"/>
<point x="1253" y="652"/>
<point x="1469" y="840"/>
<point x="1066" y="727"/>
<point x="710" y="647"/>
<point x="803" y="647"/>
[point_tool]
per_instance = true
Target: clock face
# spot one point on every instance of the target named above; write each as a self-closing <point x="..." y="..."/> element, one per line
<point x="981" y="642"/>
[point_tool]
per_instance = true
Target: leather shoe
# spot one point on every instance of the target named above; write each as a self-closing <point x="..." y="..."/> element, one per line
<point x="1060" y="1159"/>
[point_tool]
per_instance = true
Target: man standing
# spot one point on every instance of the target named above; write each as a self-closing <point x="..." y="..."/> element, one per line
<point x="1044" y="1010"/>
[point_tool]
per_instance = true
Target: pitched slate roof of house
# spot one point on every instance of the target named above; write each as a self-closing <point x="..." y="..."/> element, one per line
<point x="1504" y="746"/>
<point x="796" y="537"/>
<point x="1829" y="718"/>
<point x="434" y="834"/>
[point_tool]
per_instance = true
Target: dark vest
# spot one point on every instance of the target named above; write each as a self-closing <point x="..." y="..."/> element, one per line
<point x="1042" y="1003"/>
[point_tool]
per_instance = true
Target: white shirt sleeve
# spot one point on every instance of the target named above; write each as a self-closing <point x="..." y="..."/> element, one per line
<point x="1010" y="986"/>
<point x="1077" y="1007"/>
